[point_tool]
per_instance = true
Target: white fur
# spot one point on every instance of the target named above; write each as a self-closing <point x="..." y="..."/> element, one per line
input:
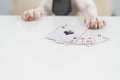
<point x="86" y="7"/>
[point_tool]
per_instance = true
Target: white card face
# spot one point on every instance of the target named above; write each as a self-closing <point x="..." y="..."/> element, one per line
<point x="66" y="33"/>
<point x="99" y="38"/>
<point x="86" y="39"/>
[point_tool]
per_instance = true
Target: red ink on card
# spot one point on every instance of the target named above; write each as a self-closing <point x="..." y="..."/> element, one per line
<point x="82" y="39"/>
<point x="89" y="40"/>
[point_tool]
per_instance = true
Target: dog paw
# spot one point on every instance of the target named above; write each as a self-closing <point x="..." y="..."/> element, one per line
<point x="31" y="15"/>
<point x="95" y="23"/>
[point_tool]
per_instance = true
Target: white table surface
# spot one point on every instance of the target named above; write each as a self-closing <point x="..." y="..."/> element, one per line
<point x="26" y="55"/>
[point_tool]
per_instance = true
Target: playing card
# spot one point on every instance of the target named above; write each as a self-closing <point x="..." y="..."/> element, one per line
<point x="86" y="39"/>
<point x="77" y="35"/>
<point x="99" y="38"/>
<point x="66" y="33"/>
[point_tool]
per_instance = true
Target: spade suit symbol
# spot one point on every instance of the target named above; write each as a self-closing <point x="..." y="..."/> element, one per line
<point x="68" y="32"/>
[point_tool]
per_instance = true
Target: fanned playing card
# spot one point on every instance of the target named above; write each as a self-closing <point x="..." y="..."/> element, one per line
<point x="77" y="35"/>
<point x="66" y="33"/>
<point x="99" y="38"/>
<point x="86" y="39"/>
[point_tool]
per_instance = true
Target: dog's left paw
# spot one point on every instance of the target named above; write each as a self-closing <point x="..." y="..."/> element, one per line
<point x="95" y="23"/>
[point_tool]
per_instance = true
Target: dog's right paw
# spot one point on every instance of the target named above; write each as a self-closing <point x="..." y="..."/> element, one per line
<point x="31" y="15"/>
<point x="95" y="22"/>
